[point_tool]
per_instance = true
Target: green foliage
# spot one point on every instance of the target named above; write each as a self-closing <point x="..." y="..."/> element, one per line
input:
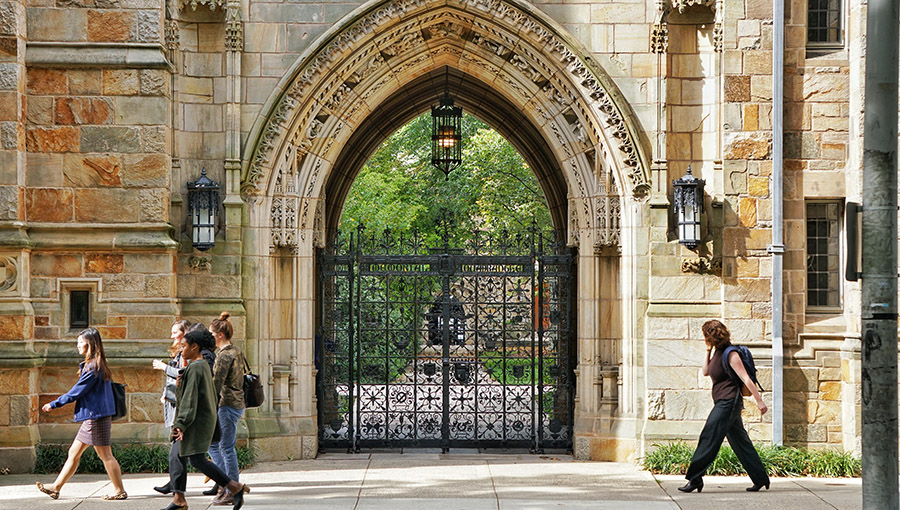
<point x="133" y="458"/>
<point x="494" y="363"/>
<point x="398" y="189"/>
<point x="674" y="458"/>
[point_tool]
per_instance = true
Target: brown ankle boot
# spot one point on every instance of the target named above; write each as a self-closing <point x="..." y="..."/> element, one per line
<point x="223" y="498"/>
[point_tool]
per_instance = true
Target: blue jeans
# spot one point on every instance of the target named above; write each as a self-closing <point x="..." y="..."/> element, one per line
<point x="223" y="453"/>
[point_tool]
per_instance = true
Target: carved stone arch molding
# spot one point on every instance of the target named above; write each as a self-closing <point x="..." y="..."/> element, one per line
<point x="504" y="60"/>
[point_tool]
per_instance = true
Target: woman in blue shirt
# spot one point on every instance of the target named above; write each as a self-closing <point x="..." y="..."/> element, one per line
<point x="94" y="408"/>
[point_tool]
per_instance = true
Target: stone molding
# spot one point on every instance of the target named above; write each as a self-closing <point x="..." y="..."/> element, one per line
<point x="106" y="55"/>
<point x="78" y="236"/>
<point x="333" y="85"/>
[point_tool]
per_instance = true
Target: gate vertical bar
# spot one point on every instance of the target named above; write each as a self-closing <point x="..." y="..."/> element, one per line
<point x="352" y="358"/>
<point x="539" y="258"/>
<point x="445" y="348"/>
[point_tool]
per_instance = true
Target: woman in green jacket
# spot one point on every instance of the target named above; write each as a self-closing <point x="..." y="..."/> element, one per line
<point x="195" y="423"/>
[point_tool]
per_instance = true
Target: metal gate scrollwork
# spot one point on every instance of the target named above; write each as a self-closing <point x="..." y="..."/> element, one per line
<point x="455" y="346"/>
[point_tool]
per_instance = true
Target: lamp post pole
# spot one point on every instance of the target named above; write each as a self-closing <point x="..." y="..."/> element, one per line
<point x="879" y="259"/>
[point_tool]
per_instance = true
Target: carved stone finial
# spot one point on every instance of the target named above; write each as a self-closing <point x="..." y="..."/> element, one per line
<point x="659" y="38"/>
<point x="234" y="30"/>
<point x="702" y="265"/>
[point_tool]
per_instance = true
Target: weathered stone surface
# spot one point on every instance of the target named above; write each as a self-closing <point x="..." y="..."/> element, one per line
<point x="9" y="202"/>
<point x="159" y="286"/>
<point x="149" y="327"/>
<point x="687" y="404"/>
<point x="49" y="205"/>
<point x="91" y="171"/>
<point x="61" y="139"/>
<point x="8" y="21"/>
<point x="148" y="263"/>
<point x="121" y="82"/>
<point x="106" y="205"/>
<point x="103" y="263"/>
<point x="155" y="139"/>
<point x="113" y="332"/>
<point x="110" y="139"/>
<point x="801" y="379"/>
<point x="656" y="405"/>
<point x="741" y="146"/>
<point x="737" y="88"/>
<point x="14" y="382"/>
<point x="154" y="82"/>
<point x="141" y="110"/>
<point x="145" y="408"/>
<point x="12" y="327"/>
<point x="146" y="170"/>
<point x="4" y="410"/>
<point x="9" y="105"/>
<point x="39" y="110"/>
<point x="801" y="146"/>
<point x="9" y="135"/>
<point x="23" y="409"/>
<point x="56" y="24"/>
<point x="85" y="81"/>
<point x="82" y="110"/>
<point x="747" y="212"/>
<point x="146" y="27"/>
<point x="58" y="265"/>
<point x="130" y="284"/>
<point x="139" y="379"/>
<point x="758" y="187"/>
<point x="9" y="76"/>
<point x="9" y="47"/>
<point x="830" y="390"/>
<point x="109" y="26"/>
<point x="154" y="205"/>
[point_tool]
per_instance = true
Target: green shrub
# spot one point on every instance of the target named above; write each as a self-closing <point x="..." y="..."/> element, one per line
<point x="133" y="458"/>
<point x="674" y="458"/>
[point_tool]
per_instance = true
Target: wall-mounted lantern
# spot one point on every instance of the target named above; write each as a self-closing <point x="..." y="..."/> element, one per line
<point x="203" y="211"/>
<point x="688" y="206"/>
<point x="446" y="135"/>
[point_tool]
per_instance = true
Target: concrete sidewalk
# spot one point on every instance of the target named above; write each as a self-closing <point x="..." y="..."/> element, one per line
<point x="456" y="481"/>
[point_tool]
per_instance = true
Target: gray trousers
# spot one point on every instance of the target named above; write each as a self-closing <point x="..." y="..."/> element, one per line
<point x="725" y="421"/>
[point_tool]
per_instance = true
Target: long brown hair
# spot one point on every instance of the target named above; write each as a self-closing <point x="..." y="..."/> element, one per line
<point x="94" y="357"/>
<point x="716" y="334"/>
<point x="183" y="325"/>
<point x="221" y="325"/>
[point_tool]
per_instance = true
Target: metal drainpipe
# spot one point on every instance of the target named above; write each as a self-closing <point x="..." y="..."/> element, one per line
<point x="777" y="247"/>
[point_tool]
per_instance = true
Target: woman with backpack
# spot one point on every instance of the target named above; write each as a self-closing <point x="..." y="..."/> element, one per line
<point x="94" y="408"/>
<point x="725" y="418"/>
<point x="228" y="376"/>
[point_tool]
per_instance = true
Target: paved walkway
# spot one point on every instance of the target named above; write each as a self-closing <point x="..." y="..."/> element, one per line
<point x="457" y="481"/>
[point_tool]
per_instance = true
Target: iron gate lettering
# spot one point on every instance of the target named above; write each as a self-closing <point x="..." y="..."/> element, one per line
<point x="446" y="347"/>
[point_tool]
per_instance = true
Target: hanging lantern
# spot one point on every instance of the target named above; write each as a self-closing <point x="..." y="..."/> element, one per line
<point x="688" y="206"/>
<point x="446" y="135"/>
<point x="203" y="211"/>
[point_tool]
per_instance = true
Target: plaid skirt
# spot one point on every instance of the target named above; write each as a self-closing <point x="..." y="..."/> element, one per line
<point x="96" y="432"/>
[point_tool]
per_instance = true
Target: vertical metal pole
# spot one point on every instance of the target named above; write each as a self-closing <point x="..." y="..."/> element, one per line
<point x="445" y="348"/>
<point x="879" y="259"/>
<point x="352" y="410"/>
<point x="776" y="249"/>
<point x="539" y="258"/>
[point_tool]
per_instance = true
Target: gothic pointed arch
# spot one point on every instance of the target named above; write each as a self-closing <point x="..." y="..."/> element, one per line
<point x="512" y="65"/>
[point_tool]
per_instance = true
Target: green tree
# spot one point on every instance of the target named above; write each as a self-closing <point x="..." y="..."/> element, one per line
<point x="398" y="189"/>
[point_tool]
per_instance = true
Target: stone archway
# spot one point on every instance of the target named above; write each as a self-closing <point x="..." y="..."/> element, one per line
<point x="517" y="70"/>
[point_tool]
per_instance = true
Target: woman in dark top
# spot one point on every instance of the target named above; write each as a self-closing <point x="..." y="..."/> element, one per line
<point x="94" y="407"/>
<point x="195" y="423"/>
<point x="725" y="418"/>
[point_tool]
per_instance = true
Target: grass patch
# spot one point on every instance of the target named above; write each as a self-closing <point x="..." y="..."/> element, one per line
<point x="674" y="458"/>
<point x="133" y="458"/>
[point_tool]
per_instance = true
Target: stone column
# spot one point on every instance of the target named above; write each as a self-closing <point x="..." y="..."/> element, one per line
<point x="18" y="387"/>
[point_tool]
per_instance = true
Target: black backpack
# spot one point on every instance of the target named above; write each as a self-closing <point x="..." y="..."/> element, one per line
<point x="749" y="366"/>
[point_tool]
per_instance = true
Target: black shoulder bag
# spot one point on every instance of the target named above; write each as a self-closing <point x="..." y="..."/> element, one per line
<point x="118" y="390"/>
<point x="254" y="396"/>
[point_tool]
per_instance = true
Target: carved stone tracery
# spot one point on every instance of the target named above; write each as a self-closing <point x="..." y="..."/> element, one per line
<point x="485" y="35"/>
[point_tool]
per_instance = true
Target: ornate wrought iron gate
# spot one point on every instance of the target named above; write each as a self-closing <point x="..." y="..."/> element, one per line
<point x="447" y="347"/>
